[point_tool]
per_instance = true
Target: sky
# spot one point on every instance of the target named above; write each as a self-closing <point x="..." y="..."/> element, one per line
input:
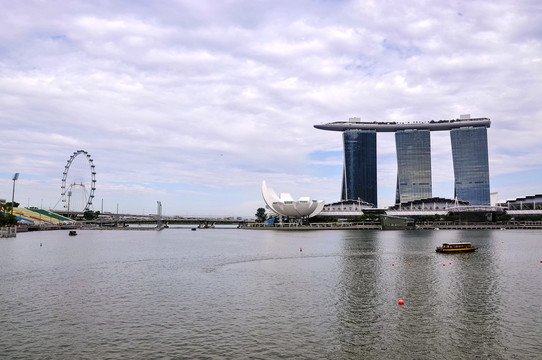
<point x="195" y="103"/>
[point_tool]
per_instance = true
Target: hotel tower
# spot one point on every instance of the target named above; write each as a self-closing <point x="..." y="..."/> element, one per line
<point x="413" y="147"/>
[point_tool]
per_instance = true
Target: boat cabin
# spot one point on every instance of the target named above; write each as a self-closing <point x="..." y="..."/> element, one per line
<point x="459" y="245"/>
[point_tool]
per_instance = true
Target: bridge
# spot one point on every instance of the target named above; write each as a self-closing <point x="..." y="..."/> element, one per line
<point x="109" y="219"/>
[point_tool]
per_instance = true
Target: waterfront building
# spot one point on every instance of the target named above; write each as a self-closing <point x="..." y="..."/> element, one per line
<point x="426" y="207"/>
<point x="359" y="171"/>
<point x="345" y="209"/>
<point x="470" y="157"/>
<point x="471" y="165"/>
<point x="413" y="149"/>
<point x="531" y="202"/>
<point x="285" y="205"/>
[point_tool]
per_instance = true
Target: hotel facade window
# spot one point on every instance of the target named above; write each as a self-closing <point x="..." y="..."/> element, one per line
<point x="471" y="165"/>
<point x="359" y="172"/>
<point x="413" y="149"/>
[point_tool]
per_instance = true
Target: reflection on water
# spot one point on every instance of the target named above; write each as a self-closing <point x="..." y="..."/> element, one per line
<point x="226" y="293"/>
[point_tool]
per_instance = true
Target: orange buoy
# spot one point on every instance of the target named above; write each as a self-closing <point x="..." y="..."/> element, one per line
<point x="401" y="302"/>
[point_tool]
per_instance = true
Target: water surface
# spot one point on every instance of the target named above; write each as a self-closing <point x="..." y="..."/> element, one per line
<point x="228" y="293"/>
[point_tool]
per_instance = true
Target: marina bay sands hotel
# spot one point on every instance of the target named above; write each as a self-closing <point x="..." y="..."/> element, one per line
<point x="413" y="148"/>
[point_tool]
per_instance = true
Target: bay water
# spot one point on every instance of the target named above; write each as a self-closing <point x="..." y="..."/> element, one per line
<point x="262" y="294"/>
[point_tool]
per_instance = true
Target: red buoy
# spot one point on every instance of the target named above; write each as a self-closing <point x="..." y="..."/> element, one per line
<point x="401" y="302"/>
<point x="408" y="264"/>
<point x="450" y="263"/>
<point x="300" y="249"/>
<point x="443" y="264"/>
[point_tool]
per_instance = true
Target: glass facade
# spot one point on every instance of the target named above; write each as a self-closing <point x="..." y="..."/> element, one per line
<point x="359" y="173"/>
<point x="413" y="165"/>
<point x="471" y="165"/>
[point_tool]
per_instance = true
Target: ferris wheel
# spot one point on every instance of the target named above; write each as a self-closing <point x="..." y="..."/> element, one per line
<point x="76" y="178"/>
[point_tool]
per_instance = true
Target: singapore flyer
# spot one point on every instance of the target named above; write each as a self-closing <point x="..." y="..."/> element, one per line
<point x="78" y="182"/>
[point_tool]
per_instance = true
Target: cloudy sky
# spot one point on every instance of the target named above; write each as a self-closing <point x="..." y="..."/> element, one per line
<point x="194" y="103"/>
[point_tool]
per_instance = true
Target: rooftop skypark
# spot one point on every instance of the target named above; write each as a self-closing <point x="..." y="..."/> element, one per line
<point x="433" y="125"/>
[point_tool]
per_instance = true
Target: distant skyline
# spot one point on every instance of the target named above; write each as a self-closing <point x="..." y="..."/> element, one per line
<point x="194" y="104"/>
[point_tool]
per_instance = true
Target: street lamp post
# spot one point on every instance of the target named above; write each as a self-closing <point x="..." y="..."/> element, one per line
<point x="15" y="177"/>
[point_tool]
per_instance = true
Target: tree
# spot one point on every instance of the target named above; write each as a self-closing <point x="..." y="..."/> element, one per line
<point x="91" y="215"/>
<point x="6" y="218"/>
<point x="261" y="216"/>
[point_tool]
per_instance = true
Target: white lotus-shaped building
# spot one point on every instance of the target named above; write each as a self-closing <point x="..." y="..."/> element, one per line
<point x="285" y="205"/>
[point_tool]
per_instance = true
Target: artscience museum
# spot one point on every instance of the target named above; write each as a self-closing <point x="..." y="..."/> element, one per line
<point x="285" y="205"/>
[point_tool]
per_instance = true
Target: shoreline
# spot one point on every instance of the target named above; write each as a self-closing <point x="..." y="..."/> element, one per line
<point x="310" y="227"/>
